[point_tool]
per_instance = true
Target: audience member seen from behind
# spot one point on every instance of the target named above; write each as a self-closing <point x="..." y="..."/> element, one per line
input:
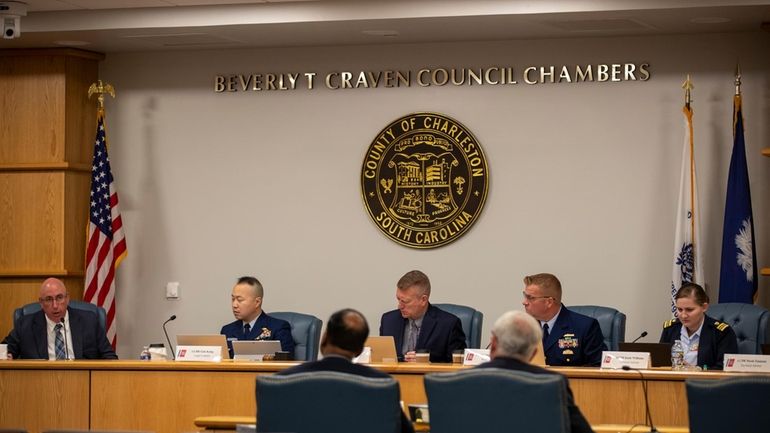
<point x="57" y="331"/>
<point x="705" y="339"/>
<point x="515" y="339"/>
<point x="417" y="326"/>
<point x="343" y="340"/>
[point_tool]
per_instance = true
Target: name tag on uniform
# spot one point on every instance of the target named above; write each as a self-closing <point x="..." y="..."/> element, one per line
<point x="199" y="353"/>
<point x="612" y="360"/>
<point x="747" y="363"/>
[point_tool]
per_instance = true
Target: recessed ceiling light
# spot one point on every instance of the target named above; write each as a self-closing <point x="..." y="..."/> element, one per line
<point x="710" y="20"/>
<point x="72" y="43"/>
<point x="383" y="33"/>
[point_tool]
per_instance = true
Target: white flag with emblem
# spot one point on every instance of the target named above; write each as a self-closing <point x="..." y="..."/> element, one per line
<point x="687" y="264"/>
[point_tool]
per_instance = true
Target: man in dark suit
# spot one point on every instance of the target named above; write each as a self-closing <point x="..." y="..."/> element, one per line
<point x="58" y="332"/>
<point x="343" y="340"/>
<point x="251" y="322"/>
<point x="418" y="326"/>
<point x="515" y="337"/>
<point x="569" y="338"/>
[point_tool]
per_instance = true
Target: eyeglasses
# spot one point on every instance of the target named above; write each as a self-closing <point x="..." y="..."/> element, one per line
<point x="531" y="298"/>
<point x="49" y="300"/>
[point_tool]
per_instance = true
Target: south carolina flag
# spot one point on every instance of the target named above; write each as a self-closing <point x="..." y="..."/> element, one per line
<point x="738" y="278"/>
<point x="687" y="255"/>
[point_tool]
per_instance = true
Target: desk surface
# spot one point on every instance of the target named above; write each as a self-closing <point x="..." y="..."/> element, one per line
<point x="166" y="397"/>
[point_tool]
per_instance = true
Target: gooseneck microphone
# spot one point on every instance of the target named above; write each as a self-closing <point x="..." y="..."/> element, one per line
<point x="646" y="400"/>
<point x="66" y="349"/>
<point x="173" y="317"/>
<point x="644" y="334"/>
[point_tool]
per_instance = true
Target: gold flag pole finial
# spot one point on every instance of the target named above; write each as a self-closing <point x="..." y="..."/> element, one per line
<point x="100" y="89"/>
<point x="687" y="86"/>
<point x="737" y="79"/>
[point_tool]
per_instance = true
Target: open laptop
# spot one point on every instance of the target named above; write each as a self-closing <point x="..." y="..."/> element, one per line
<point x="205" y="340"/>
<point x="383" y="348"/>
<point x="254" y="350"/>
<point x="766" y="349"/>
<point x="660" y="353"/>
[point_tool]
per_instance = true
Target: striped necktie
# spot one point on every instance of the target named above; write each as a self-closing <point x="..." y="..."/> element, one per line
<point x="61" y="353"/>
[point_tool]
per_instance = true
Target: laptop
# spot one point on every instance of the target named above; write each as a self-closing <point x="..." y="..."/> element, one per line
<point x="660" y="353"/>
<point x="383" y="348"/>
<point x="205" y="340"/>
<point x="766" y="349"/>
<point x="254" y="350"/>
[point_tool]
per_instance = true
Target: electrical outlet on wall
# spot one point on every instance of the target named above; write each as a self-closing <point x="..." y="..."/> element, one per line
<point x="172" y="290"/>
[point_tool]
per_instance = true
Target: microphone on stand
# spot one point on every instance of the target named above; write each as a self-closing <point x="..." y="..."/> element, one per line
<point x="173" y="317"/>
<point x="644" y="388"/>
<point x="644" y="334"/>
<point x="66" y="349"/>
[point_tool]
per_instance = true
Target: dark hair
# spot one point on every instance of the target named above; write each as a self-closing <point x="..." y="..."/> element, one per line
<point x="415" y="278"/>
<point x="348" y="330"/>
<point x="692" y="290"/>
<point x="253" y="282"/>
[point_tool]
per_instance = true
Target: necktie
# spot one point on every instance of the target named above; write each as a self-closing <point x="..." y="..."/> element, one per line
<point x="246" y="330"/>
<point x="545" y="333"/>
<point x="61" y="353"/>
<point x="414" y="332"/>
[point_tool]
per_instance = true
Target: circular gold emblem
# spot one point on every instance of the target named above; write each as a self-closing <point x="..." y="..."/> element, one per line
<point x="424" y="180"/>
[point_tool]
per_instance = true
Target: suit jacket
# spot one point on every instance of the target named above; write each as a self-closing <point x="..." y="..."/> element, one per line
<point x="279" y="330"/>
<point x="716" y="339"/>
<point x="441" y="333"/>
<point x="29" y="340"/>
<point x="577" y="420"/>
<point x="575" y="340"/>
<point x="342" y="365"/>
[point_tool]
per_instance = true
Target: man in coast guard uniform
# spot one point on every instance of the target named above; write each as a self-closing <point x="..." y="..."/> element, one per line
<point x="569" y="338"/>
<point x="419" y="326"/>
<point x="714" y="339"/>
<point x="251" y="322"/>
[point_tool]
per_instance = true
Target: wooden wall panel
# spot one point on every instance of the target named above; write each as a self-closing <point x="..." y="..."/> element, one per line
<point x="32" y="103"/>
<point x="80" y="110"/>
<point x="39" y="400"/>
<point x="76" y="205"/>
<point x="31" y="221"/>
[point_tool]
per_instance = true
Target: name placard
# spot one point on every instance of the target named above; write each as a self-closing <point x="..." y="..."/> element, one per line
<point x="616" y="360"/>
<point x="365" y="357"/>
<point x="199" y="353"/>
<point x="747" y="363"/>
<point x="476" y="356"/>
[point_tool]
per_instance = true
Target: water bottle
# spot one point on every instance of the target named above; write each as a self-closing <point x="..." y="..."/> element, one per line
<point x="677" y="355"/>
<point x="145" y="355"/>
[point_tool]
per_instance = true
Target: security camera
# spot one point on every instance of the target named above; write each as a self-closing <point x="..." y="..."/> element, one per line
<point x="10" y="18"/>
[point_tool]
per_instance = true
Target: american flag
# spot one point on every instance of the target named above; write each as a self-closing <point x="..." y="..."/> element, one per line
<point x="106" y="243"/>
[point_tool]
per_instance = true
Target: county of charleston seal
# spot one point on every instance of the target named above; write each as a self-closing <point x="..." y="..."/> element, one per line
<point x="424" y="180"/>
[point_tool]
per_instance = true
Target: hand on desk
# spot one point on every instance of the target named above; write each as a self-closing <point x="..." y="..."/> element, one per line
<point x="410" y="356"/>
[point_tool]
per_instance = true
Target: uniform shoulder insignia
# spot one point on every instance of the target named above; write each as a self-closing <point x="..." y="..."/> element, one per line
<point x="669" y="323"/>
<point x="721" y="326"/>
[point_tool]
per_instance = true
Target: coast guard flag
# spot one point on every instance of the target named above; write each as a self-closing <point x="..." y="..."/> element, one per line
<point x="738" y="278"/>
<point x="106" y="244"/>
<point x="687" y="253"/>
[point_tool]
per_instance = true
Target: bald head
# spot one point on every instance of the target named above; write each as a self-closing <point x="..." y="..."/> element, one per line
<point x="54" y="299"/>
<point x="515" y="334"/>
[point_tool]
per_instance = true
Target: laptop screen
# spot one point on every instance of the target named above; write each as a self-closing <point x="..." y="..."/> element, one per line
<point x="660" y="353"/>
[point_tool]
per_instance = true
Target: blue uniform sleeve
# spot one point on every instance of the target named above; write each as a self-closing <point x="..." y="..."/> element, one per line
<point x="283" y="334"/>
<point x="594" y="345"/>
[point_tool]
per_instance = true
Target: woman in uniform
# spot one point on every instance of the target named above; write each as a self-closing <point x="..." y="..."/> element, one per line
<point x="705" y="340"/>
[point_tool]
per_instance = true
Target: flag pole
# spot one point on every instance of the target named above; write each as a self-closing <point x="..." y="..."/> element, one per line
<point x="737" y="79"/>
<point x="687" y="86"/>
